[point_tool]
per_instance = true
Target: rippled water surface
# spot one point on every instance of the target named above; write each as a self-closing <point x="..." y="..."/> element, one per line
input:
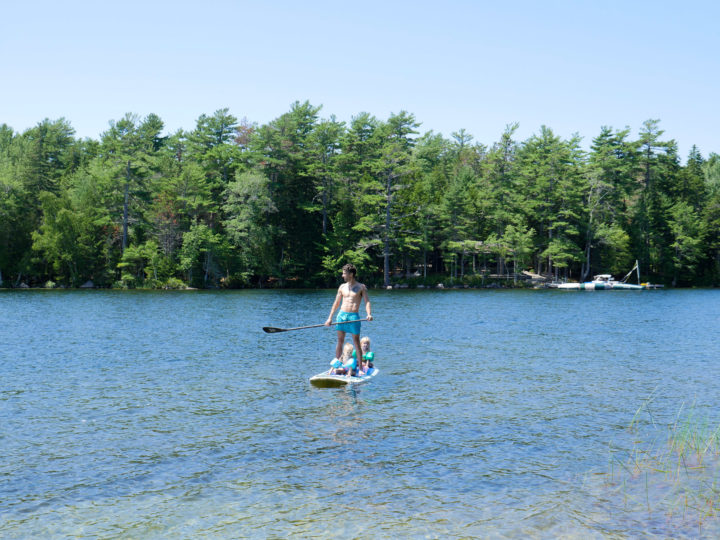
<point x="144" y="414"/>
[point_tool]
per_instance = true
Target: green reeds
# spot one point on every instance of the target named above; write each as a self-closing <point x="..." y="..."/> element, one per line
<point x="676" y="474"/>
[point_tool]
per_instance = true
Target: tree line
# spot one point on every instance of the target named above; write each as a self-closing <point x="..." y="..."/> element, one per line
<point x="236" y="204"/>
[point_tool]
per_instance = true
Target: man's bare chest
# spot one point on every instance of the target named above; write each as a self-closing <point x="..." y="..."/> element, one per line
<point x="351" y="292"/>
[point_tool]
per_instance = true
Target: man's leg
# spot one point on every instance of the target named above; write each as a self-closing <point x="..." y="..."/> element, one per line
<point x="340" y="343"/>
<point x="358" y="350"/>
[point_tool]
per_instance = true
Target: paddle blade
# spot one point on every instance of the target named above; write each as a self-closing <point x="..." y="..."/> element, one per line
<point x="272" y="330"/>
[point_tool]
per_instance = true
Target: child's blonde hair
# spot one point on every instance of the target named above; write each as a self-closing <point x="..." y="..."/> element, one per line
<point x="364" y="339"/>
<point x="348" y="350"/>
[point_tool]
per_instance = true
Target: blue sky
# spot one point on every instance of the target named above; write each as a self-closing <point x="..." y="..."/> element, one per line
<point x="571" y="65"/>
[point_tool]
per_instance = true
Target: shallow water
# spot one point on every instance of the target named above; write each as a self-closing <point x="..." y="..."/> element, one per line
<point x="496" y="413"/>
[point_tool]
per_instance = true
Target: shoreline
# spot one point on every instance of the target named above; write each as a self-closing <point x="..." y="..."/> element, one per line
<point x="397" y="287"/>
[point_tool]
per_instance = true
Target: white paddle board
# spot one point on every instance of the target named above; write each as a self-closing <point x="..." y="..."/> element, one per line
<point x="326" y="379"/>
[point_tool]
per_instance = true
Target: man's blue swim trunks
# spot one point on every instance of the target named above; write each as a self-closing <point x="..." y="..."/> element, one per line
<point x="350" y="327"/>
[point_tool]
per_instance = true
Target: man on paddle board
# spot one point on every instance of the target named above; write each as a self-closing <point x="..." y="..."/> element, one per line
<point x="349" y="297"/>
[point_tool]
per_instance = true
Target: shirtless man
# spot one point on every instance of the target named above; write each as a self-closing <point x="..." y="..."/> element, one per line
<point x="350" y="294"/>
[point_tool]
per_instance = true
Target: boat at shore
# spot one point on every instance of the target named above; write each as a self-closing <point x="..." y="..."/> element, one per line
<point x="604" y="282"/>
<point x="600" y="282"/>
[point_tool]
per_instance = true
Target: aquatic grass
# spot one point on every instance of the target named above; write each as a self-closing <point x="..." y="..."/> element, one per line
<point x="644" y="407"/>
<point x="675" y="474"/>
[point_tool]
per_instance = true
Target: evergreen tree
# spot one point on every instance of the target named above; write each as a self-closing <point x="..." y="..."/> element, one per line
<point x="285" y="145"/>
<point x="324" y="142"/>
<point x="657" y="174"/>
<point x="213" y="145"/>
<point x="45" y="155"/>
<point x="232" y="203"/>
<point x="691" y="186"/>
<point x="455" y="212"/>
<point x="128" y="152"/>
<point x="434" y="157"/>
<point x="17" y="213"/>
<point x="248" y="210"/>
<point x="500" y="188"/>
<point x="687" y="234"/>
<point x="711" y="218"/>
<point x="552" y="181"/>
<point x="610" y="188"/>
<point x="391" y="170"/>
<point x="352" y="234"/>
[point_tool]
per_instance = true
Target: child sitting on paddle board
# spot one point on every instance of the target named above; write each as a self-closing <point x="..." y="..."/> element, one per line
<point x="347" y="364"/>
<point x="367" y="356"/>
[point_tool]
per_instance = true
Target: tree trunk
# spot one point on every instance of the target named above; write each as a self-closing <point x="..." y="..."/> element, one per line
<point x="208" y="261"/>
<point x="550" y="261"/>
<point x="324" y="207"/>
<point x="324" y="195"/>
<point x="73" y="273"/>
<point x="386" y="249"/>
<point x="280" y="268"/>
<point x="125" y="207"/>
<point x="585" y="270"/>
<point x="585" y="267"/>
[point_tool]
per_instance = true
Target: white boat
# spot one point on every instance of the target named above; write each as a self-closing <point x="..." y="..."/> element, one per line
<point x="327" y="379"/>
<point x="599" y="283"/>
<point x="604" y="282"/>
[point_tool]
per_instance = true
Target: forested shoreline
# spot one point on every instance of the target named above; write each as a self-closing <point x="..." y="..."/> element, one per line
<point x="286" y="204"/>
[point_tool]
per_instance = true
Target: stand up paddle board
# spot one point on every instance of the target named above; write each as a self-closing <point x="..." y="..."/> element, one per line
<point x="327" y="379"/>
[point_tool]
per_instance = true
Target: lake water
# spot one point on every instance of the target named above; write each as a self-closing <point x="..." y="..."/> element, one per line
<point x="496" y="414"/>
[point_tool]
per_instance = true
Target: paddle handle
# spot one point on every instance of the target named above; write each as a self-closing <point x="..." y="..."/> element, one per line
<point x="273" y="330"/>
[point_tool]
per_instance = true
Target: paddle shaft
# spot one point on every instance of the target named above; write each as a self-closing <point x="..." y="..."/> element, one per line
<point x="273" y="330"/>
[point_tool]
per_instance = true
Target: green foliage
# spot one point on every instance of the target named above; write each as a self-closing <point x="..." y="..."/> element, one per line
<point x="59" y="239"/>
<point x="613" y="245"/>
<point x="248" y="212"/>
<point x="144" y="266"/>
<point x="519" y="242"/>
<point x="199" y="246"/>
<point x="173" y="283"/>
<point x="552" y="177"/>
<point x="686" y="228"/>
<point x="233" y="204"/>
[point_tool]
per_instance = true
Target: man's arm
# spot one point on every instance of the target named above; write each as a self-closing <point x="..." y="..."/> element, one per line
<point x="336" y="304"/>
<point x="368" y="309"/>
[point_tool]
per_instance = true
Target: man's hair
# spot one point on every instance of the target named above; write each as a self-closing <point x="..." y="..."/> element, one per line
<point x="350" y="268"/>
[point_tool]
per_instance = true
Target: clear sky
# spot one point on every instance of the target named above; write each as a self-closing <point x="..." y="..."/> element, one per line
<point x="571" y="65"/>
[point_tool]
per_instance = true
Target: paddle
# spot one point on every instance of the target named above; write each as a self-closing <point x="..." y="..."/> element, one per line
<point x="273" y="330"/>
